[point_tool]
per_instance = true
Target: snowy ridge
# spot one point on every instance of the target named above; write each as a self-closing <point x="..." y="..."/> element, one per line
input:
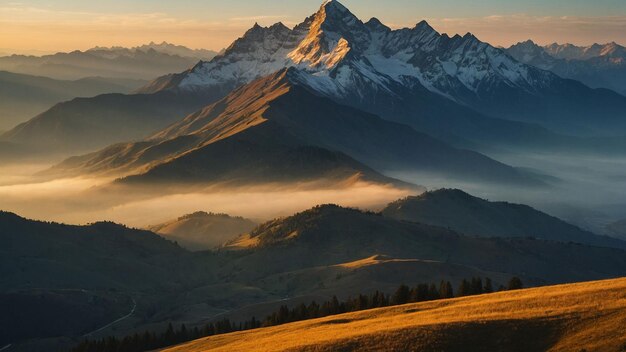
<point x="341" y="55"/>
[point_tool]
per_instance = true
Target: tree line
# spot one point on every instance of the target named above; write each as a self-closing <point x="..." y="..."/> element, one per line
<point x="283" y="315"/>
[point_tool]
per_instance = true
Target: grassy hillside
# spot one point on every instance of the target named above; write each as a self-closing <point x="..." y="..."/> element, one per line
<point x="201" y="230"/>
<point x="576" y="317"/>
<point x="345" y="235"/>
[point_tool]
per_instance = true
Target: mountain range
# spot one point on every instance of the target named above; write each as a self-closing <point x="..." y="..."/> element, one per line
<point x="275" y="129"/>
<point x="598" y="65"/>
<point x="458" y="89"/>
<point x="143" y="62"/>
<point x="402" y="75"/>
<point x="24" y="96"/>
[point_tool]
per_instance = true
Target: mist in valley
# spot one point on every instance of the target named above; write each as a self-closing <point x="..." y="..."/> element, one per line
<point x="83" y="200"/>
<point x="586" y="190"/>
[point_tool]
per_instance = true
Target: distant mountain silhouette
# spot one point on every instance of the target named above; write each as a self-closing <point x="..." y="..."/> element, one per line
<point x="142" y="62"/>
<point x="598" y="65"/>
<point x="24" y="96"/>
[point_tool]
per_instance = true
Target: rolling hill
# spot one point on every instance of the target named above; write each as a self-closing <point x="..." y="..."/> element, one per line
<point x="61" y="280"/>
<point x="345" y="235"/>
<point x="48" y="253"/>
<point x="203" y="231"/>
<point x="462" y="212"/>
<point x="586" y="316"/>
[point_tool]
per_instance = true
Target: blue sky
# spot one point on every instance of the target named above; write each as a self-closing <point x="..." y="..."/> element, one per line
<point x="40" y="25"/>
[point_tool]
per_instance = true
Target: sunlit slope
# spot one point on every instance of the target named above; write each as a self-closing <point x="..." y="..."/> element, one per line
<point x="576" y="317"/>
<point x="275" y="129"/>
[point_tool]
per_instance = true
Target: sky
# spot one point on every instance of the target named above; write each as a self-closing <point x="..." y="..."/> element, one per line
<point x="38" y="26"/>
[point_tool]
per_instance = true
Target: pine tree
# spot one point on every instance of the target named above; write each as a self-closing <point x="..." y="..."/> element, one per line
<point x="476" y="286"/>
<point x="488" y="286"/>
<point x="401" y="296"/>
<point x="433" y="292"/>
<point x="515" y="283"/>
<point x="464" y="288"/>
<point x="422" y="292"/>
<point x="445" y="290"/>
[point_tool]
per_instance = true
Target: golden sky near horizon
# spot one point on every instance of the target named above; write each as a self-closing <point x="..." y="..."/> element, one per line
<point x="42" y="27"/>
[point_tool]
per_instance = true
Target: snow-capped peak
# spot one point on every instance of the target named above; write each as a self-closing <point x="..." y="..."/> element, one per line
<point x="346" y="56"/>
<point x="333" y="32"/>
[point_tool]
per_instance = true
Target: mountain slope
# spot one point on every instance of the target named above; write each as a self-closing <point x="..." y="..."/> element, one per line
<point x="259" y="122"/>
<point x="559" y="318"/>
<point x="100" y="273"/>
<point x="470" y="215"/>
<point x="48" y="255"/>
<point x="402" y="74"/>
<point x="617" y="229"/>
<point x="598" y="66"/>
<point x="202" y="231"/>
<point x="85" y="124"/>
<point x="345" y="235"/>
<point x="24" y="96"/>
<point x="60" y="280"/>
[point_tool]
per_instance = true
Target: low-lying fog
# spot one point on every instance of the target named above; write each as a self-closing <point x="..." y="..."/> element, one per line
<point x="590" y="192"/>
<point x="74" y="201"/>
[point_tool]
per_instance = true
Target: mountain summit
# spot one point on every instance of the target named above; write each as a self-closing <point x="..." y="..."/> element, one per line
<point x="398" y="74"/>
<point x="458" y="89"/>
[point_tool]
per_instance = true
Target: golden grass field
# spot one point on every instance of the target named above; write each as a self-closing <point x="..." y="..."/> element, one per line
<point x="588" y="316"/>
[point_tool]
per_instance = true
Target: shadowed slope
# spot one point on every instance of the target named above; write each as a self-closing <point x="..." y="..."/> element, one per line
<point x="577" y="317"/>
<point x="54" y="255"/>
<point x="24" y="96"/>
<point x="470" y="215"/>
<point x="83" y="124"/>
